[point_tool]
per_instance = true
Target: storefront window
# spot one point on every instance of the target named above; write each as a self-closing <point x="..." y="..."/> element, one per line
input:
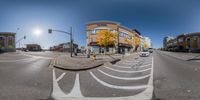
<point x="2" y="42"/>
<point x="10" y="42"/>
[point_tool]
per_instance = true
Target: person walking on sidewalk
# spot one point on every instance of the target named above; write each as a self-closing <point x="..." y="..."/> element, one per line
<point x="88" y="53"/>
<point x="75" y="51"/>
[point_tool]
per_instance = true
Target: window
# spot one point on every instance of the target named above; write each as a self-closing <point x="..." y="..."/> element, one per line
<point x="10" y="41"/>
<point x="95" y="31"/>
<point x="180" y="40"/>
<point x="2" y="42"/>
<point x="125" y="35"/>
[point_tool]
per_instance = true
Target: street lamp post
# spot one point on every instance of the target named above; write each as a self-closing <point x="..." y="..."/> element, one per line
<point x="69" y="33"/>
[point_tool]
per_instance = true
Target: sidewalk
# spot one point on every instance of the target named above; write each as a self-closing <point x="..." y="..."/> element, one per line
<point x="80" y="62"/>
<point x="184" y="56"/>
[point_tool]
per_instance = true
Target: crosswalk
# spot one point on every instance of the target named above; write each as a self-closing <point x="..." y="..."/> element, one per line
<point x="118" y="79"/>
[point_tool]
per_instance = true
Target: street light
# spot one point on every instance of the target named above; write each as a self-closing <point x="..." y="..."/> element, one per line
<point x="69" y="33"/>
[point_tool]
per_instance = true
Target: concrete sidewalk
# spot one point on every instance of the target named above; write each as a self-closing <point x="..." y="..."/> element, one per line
<point x="81" y="62"/>
<point x="184" y="56"/>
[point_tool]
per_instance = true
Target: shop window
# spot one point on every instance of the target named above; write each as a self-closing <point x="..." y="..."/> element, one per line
<point x="10" y="42"/>
<point x="2" y="42"/>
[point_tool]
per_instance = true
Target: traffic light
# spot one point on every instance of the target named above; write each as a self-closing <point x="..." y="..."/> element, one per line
<point x="24" y="37"/>
<point x="50" y="31"/>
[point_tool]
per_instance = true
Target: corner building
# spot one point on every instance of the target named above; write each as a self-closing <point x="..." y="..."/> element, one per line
<point x="92" y="28"/>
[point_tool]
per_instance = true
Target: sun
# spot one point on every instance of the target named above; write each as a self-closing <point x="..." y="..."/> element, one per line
<point x="37" y="31"/>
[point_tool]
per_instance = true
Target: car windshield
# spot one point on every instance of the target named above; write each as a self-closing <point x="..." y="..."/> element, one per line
<point x="99" y="49"/>
<point x="145" y="51"/>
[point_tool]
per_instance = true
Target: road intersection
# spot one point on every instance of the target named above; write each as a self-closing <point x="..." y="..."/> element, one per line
<point x="34" y="77"/>
<point x="117" y="80"/>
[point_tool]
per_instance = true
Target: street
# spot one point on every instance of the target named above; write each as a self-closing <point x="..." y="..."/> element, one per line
<point x="99" y="50"/>
<point x="125" y="78"/>
<point x="175" y="79"/>
<point x="26" y="78"/>
<point x="33" y="77"/>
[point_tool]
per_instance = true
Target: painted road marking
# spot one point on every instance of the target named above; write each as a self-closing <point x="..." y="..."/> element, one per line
<point x="57" y="91"/>
<point x="125" y="78"/>
<point x="37" y="56"/>
<point x="25" y="59"/>
<point x="122" y="71"/>
<point x="130" y="66"/>
<point x="139" y="63"/>
<point x="76" y="91"/>
<point x="60" y="77"/>
<point x="116" y="86"/>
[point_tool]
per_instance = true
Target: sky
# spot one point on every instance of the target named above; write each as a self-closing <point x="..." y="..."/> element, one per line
<point x="153" y="18"/>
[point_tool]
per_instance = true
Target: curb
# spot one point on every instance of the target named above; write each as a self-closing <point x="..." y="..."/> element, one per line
<point x="83" y="69"/>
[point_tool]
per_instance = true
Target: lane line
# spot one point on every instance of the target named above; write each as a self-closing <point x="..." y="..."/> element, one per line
<point x="118" y="87"/>
<point x="125" y="78"/>
<point x="37" y="56"/>
<point x="25" y="59"/>
<point x="57" y="92"/>
<point x="122" y="71"/>
<point x="60" y="77"/>
<point x="76" y="91"/>
<point x="130" y="66"/>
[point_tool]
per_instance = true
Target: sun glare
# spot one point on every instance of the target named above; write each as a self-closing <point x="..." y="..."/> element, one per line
<point x="37" y="31"/>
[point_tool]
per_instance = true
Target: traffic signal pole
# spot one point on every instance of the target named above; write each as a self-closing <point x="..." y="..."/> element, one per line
<point x="71" y="38"/>
<point x="71" y="41"/>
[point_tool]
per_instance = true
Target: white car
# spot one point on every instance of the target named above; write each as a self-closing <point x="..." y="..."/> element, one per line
<point x="144" y="53"/>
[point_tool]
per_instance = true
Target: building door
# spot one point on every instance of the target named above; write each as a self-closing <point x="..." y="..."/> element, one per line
<point x="198" y="42"/>
<point x="195" y="43"/>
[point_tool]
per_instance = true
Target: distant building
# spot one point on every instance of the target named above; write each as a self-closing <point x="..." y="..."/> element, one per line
<point x="33" y="47"/>
<point x="64" y="47"/>
<point x="189" y="42"/>
<point x="147" y="40"/>
<point x="166" y="40"/>
<point x="7" y="42"/>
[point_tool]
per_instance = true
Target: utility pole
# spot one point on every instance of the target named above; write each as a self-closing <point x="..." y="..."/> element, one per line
<point x="118" y="49"/>
<point x="71" y="41"/>
<point x="71" y="38"/>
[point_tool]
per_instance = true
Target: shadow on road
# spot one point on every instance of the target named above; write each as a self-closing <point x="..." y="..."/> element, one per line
<point x="194" y="58"/>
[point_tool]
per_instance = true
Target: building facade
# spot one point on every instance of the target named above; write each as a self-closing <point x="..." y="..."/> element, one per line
<point x="166" y="40"/>
<point x="93" y="28"/>
<point x="33" y="47"/>
<point x="185" y="42"/>
<point x="7" y="42"/>
<point x="64" y="47"/>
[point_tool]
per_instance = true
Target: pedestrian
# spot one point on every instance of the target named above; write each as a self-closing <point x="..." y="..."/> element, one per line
<point x="75" y="51"/>
<point x="88" y="53"/>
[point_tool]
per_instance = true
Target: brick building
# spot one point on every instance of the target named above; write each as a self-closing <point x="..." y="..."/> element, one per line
<point x="124" y="33"/>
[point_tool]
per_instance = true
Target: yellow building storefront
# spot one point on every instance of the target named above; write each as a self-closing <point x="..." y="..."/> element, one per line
<point x="124" y="33"/>
<point x="7" y="42"/>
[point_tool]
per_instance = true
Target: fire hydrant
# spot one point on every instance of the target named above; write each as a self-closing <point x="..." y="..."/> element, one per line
<point x="94" y="56"/>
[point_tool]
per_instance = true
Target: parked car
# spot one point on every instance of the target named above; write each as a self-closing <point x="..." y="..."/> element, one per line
<point x="150" y="50"/>
<point x="144" y="53"/>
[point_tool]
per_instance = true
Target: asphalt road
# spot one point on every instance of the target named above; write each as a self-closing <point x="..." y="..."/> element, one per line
<point x="128" y="77"/>
<point x="25" y="77"/>
<point x="175" y="79"/>
<point x="29" y="76"/>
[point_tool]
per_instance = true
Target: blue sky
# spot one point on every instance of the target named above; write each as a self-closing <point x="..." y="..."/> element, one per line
<point x="153" y="18"/>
